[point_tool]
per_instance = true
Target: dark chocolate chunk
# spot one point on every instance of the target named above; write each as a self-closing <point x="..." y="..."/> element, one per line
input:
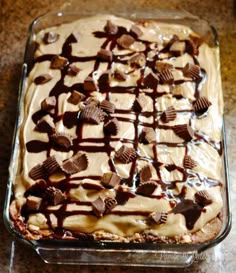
<point x="158" y="217"/>
<point x="51" y="164"/>
<point x="151" y="80"/>
<point x="162" y="66"/>
<point x="107" y="106"/>
<point x="110" y="203"/>
<point x="202" y="198"/>
<point x="136" y="31"/>
<point x="76" y="97"/>
<point x="178" y="48"/>
<point x="120" y="75"/>
<point x="105" y="55"/>
<point x="38" y="172"/>
<point x="145" y="174"/>
<point x="89" y="84"/>
<point x="184" y="131"/>
<point x="123" y="195"/>
<point x="125" y="154"/>
<point x="201" y="105"/>
<point x="92" y="115"/>
<point x="104" y="80"/>
<point x="138" y="60"/>
<point x="54" y="196"/>
<point x="111" y="28"/>
<point x="73" y="70"/>
<point x="45" y="125"/>
<point x="147" y="188"/>
<point x="58" y="62"/>
<point x="125" y="41"/>
<point x="98" y="207"/>
<point x="137" y="106"/>
<point x="147" y="135"/>
<point x="50" y="37"/>
<point x="48" y="103"/>
<point x="33" y="203"/>
<point x="166" y="77"/>
<point x="110" y="179"/>
<point x="75" y="164"/>
<point x="189" y="163"/>
<point x="192" y="71"/>
<point x="168" y="115"/>
<point x="111" y="127"/>
<point x="62" y="139"/>
<point x="43" y="78"/>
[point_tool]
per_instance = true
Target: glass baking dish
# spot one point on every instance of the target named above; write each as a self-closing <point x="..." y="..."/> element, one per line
<point x="112" y="253"/>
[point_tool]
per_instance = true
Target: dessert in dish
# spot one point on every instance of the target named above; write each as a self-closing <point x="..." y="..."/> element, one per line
<point x="121" y="135"/>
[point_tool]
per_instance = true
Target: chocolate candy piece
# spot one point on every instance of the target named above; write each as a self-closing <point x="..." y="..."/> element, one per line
<point x="110" y="179"/>
<point x="62" y="139"/>
<point x="166" y="77"/>
<point x="192" y="71"/>
<point x="191" y="47"/>
<point x="201" y="105"/>
<point x="137" y="106"/>
<point x="38" y="172"/>
<point x="48" y="104"/>
<point x="33" y="203"/>
<point x="189" y="163"/>
<point x="147" y="135"/>
<point x="147" y="188"/>
<point x="111" y="127"/>
<point x="123" y="195"/>
<point x="151" y="81"/>
<point x="125" y="41"/>
<point x="92" y="115"/>
<point x="158" y="217"/>
<point x="51" y="164"/>
<point x="168" y="115"/>
<point x="58" y="62"/>
<point x="75" y="164"/>
<point x="89" y="84"/>
<point x="111" y="28"/>
<point x="98" y="207"/>
<point x="119" y="75"/>
<point x="105" y="55"/>
<point x="184" y="131"/>
<point x="110" y="203"/>
<point x="37" y="189"/>
<point x="50" y="37"/>
<point x="202" y="198"/>
<point x="107" y="106"/>
<point x="76" y="97"/>
<point x="73" y="70"/>
<point x="178" y="48"/>
<point x="125" y="154"/>
<point x="145" y="174"/>
<point x="136" y="31"/>
<point x="54" y="196"/>
<point x="45" y="125"/>
<point x="43" y="78"/>
<point x="162" y="66"/>
<point x="138" y="60"/>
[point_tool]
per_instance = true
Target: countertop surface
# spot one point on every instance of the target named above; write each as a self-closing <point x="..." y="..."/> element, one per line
<point x="15" y="17"/>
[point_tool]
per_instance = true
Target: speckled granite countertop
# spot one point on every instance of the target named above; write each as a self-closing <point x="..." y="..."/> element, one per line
<point x="15" y="16"/>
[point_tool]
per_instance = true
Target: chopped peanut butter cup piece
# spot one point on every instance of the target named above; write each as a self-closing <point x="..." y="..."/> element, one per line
<point x="45" y="125"/>
<point x="136" y="31"/>
<point x="38" y="172"/>
<point x="137" y="106"/>
<point x="37" y="189"/>
<point x="76" y="97"/>
<point x="62" y="139"/>
<point x="158" y="217"/>
<point x="125" y="41"/>
<point x="147" y="188"/>
<point x="50" y="37"/>
<point x="89" y="84"/>
<point x="98" y="207"/>
<point x="110" y="203"/>
<point x="125" y="154"/>
<point x="192" y="71"/>
<point x="43" y="78"/>
<point x="191" y="47"/>
<point x="105" y="55"/>
<point x="123" y="195"/>
<point x="48" y="103"/>
<point x="151" y="80"/>
<point x="110" y="179"/>
<point x="189" y="163"/>
<point x="202" y="198"/>
<point x="33" y="203"/>
<point x="201" y="105"/>
<point x="166" y="77"/>
<point x="168" y="115"/>
<point x="111" y="28"/>
<point x="178" y="48"/>
<point x="58" y="62"/>
<point x="54" y="196"/>
<point x="120" y="75"/>
<point x="138" y="60"/>
<point x="184" y="131"/>
<point x="75" y="164"/>
<point x="73" y="70"/>
<point x="111" y="127"/>
<point x="162" y="66"/>
<point x="147" y="135"/>
<point x="107" y="106"/>
<point x="145" y="174"/>
<point x="51" y="164"/>
<point x="92" y="115"/>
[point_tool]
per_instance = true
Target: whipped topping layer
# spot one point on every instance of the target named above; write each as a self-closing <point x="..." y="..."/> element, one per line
<point x="121" y="133"/>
